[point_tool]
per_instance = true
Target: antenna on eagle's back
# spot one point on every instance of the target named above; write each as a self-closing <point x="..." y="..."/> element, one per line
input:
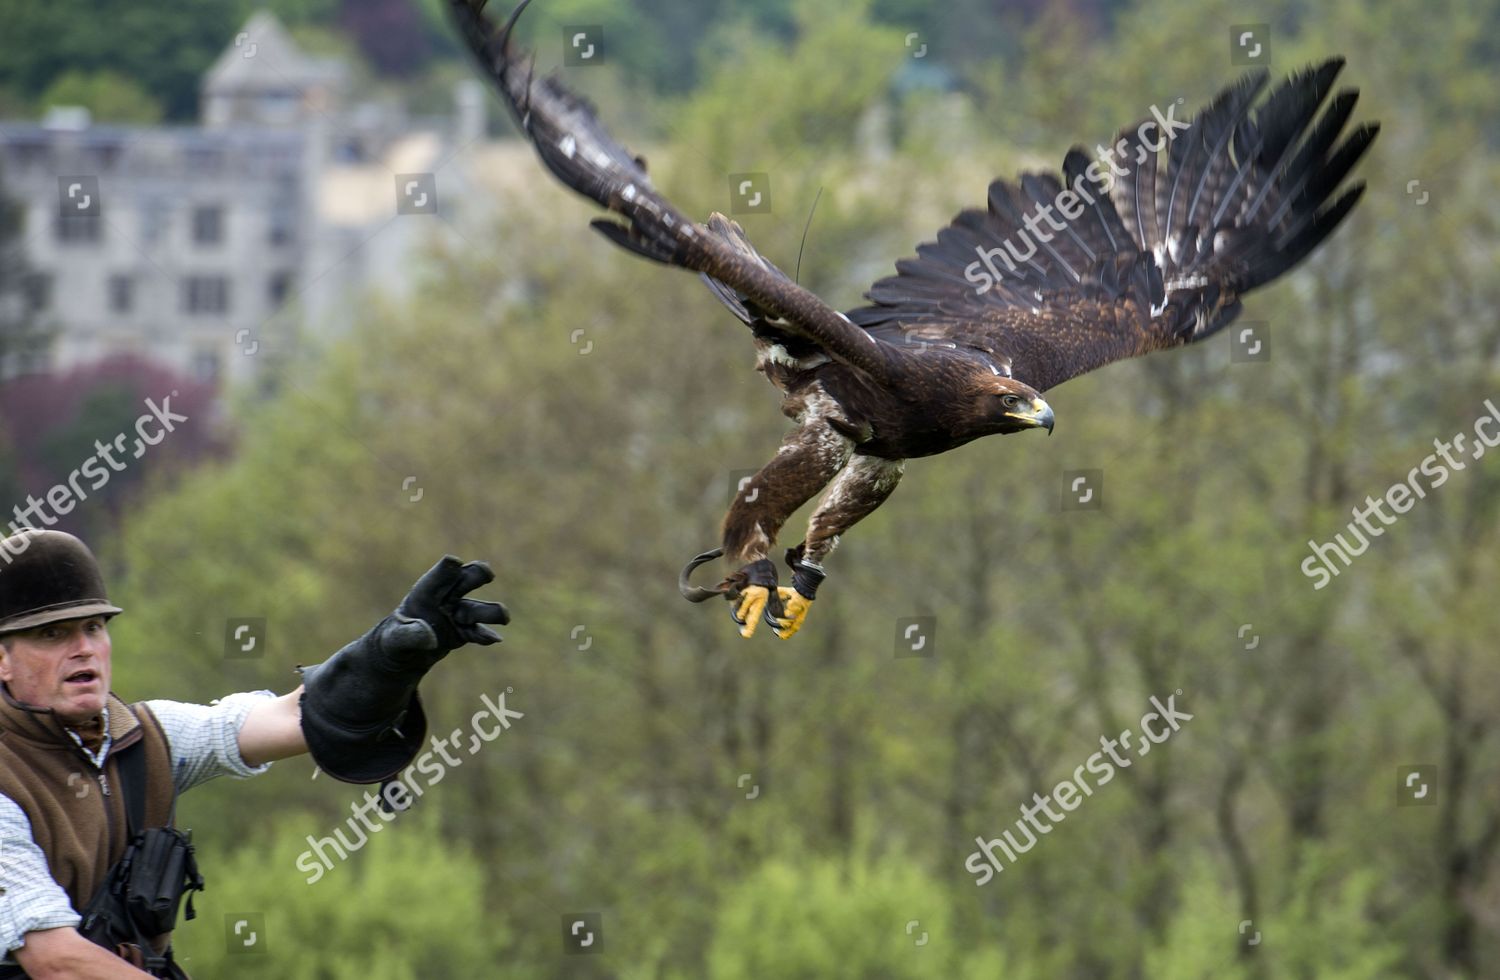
<point x="797" y="277"/>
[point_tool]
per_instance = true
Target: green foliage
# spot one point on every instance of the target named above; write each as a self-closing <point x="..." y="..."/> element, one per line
<point x="75" y="51"/>
<point x="828" y="918"/>
<point x="408" y="905"/>
<point x="111" y="407"/>
<point x="293" y="12"/>
<point x="1333" y="929"/>
<point x="109" y="96"/>
<point x="760" y="103"/>
<point x="1324" y="928"/>
<point x="164" y="50"/>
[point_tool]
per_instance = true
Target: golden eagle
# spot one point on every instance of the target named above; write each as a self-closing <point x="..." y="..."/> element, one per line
<point x="1148" y="247"/>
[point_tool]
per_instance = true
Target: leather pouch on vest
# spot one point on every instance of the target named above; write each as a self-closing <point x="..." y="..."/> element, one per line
<point x="140" y="899"/>
<point x="163" y="870"/>
<point x="137" y="905"/>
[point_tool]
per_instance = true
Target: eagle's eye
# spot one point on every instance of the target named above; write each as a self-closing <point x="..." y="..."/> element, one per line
<point x="1010" y="401"/>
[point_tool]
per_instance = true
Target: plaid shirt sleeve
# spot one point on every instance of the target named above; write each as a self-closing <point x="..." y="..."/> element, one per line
<point x="29" y="899"/>
<point x="204" y="738"/>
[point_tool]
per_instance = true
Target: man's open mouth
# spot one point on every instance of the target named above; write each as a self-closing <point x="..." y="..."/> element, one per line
<point x="82" y="677"/>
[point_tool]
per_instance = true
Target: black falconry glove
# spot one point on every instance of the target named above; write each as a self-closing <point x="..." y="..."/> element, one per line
<point x="361" y="714"/>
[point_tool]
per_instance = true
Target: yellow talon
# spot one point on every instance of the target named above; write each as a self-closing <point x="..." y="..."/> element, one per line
<point x="796" y="606"/>
<point x="752" y="603"/>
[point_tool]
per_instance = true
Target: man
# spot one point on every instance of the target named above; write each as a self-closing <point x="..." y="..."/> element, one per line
<point x="63" y="734"/>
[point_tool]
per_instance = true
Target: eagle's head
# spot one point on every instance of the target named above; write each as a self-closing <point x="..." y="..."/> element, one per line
<point x="1007" y="405"/>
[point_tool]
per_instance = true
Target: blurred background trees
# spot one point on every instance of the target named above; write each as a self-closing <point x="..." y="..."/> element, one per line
<point x="588" y="466"/>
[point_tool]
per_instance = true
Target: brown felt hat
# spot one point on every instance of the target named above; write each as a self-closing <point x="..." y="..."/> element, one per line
<point x="48" y="577"/>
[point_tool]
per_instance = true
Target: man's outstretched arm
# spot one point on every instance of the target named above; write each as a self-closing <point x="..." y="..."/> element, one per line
<point x="273" y="730"/>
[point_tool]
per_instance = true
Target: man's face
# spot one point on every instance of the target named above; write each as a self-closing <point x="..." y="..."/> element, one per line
<point x="63" y="666"/>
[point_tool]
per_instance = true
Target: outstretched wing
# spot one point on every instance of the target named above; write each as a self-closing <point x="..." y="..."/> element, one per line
<point x="1146" y="251"/>
<point x="575" y="147"/>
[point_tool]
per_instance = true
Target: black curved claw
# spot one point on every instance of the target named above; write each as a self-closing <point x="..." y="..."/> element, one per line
<point x="697" y="593"/>
<point x="775" y="611"/>
<point x="772" y="614"/>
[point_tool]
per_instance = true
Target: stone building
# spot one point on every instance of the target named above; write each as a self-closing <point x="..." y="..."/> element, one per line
<point x="205" y="248"/>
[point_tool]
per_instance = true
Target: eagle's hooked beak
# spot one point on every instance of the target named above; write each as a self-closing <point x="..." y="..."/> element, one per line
<point x="1039" y="415"/>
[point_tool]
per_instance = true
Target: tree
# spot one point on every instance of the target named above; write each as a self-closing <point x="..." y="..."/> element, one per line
<point x="109" y="97"/>
<point x="54" y="424"/>
<point x="406" y="906"/>
<point x="20" y="331"/>
<point x="163" y="50"/>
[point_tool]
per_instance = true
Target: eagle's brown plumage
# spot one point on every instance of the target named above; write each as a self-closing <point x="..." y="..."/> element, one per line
<point x="1051" y="280"/>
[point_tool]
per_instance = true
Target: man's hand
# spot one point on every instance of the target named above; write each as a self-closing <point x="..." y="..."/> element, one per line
<point x="361" y="717"/>
<point x="435" y="619"/>
<point x="63" y="954"/>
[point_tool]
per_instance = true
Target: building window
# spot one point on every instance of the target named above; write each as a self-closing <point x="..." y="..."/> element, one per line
<point x="31" y="153"/>
<point x="36" y="361"/>
<point x="29" y="351"/>
<point x="203" y="162"/>
<point x="208" y="224"/>
<point x="205" y="366"/>
<point x="283" y="225"/>
<point x="154" y="217"/>
<point x="279" y="288"/>
<point x="205" y="294"/>
<point x="102" y="157"/>
<point x="280" y="107"/>
<point x="80" y="229"/>
<point x="37" y="288"/>
<point x="121" y="294"/>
